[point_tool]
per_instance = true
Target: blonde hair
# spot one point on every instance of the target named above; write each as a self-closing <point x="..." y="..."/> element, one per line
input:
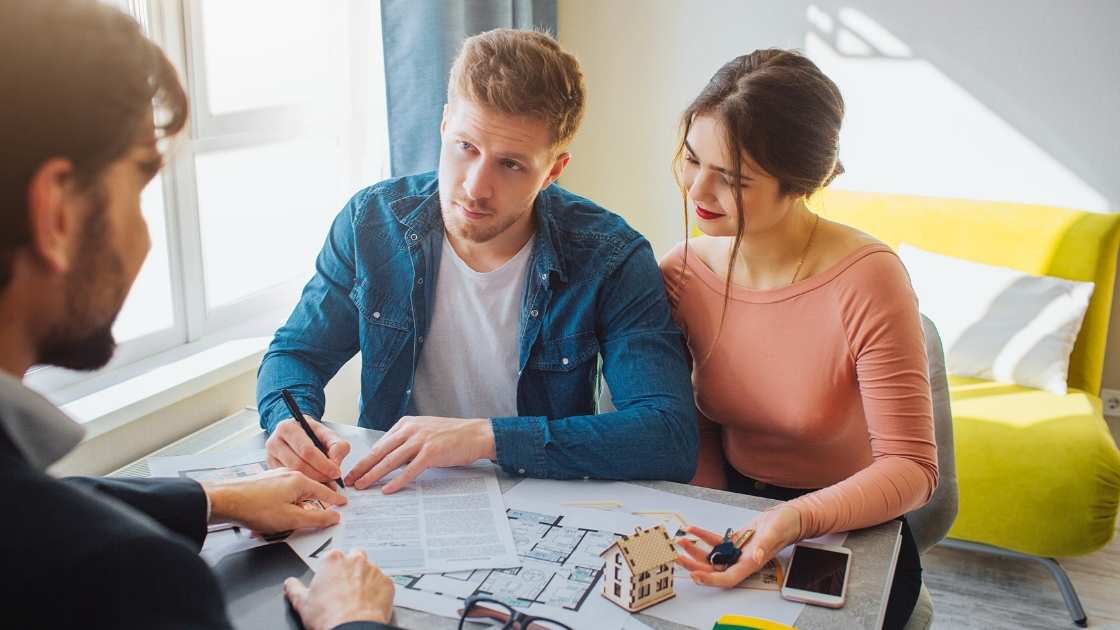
<point x="525" y="73"/>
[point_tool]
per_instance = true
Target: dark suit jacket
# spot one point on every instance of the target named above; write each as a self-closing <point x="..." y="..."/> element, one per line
<point x="105" y="553"/>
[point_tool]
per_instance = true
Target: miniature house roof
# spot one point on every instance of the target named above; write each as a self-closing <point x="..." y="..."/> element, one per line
<point x="645" y="549"/>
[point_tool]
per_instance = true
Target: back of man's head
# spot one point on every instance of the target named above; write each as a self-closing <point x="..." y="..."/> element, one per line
<point x="78" y="79"/>
<point x="525" y="73"/>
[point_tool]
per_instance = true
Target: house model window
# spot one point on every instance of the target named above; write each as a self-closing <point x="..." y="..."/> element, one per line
<point x="643" y="575"/>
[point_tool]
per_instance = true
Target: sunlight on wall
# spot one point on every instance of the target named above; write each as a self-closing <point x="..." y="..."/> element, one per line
<point x="910" y="129"/>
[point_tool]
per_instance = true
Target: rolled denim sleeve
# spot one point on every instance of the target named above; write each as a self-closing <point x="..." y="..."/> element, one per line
<point x="322" y="332"/>
<point x="653" y="432"/>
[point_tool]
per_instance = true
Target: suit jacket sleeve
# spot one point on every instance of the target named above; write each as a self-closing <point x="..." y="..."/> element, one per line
<point x="149" y="582"/>
<point x="133" y="589"/>
<point x="179" y="505"/>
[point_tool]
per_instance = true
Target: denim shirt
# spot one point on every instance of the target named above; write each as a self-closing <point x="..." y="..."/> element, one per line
<point x="594" y="304"/>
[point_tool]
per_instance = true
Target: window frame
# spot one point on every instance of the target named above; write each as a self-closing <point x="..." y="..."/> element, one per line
<point x="174" y="25"/>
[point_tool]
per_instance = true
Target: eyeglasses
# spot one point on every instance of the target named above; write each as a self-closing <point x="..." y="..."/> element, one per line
<point x="484" y="608"/>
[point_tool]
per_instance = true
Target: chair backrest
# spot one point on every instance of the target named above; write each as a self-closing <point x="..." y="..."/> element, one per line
<point x="1040" y="240"/>
<point x="931" y="522"/>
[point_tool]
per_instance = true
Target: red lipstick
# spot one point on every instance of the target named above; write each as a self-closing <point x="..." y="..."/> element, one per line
<point x="706" y="215"/>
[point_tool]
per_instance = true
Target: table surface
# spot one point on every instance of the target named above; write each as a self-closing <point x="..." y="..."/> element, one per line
<point x="874" y="550"/>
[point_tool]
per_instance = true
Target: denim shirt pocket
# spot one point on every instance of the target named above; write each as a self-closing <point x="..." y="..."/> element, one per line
<point x="566" y="353"/>
<point x="384" y="325"/>
<point x="568" y="369"/>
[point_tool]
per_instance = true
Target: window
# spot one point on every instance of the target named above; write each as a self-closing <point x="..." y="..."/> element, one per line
<point x="618" y="558"/>
<point x="644" y="575"/>
<point x="643" y="591"/>
<point x="617" y="590"/>
<point x="663" y="584"/>
<point x="617" y="573"/>
<point x="287" y="122"/>
<point x="148" y="307"/>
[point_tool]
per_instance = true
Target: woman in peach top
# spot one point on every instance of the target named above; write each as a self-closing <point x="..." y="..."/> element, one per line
<point x="808" y="357"/>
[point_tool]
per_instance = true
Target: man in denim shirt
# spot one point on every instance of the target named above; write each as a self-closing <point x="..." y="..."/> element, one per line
<point x="481" y="299"/>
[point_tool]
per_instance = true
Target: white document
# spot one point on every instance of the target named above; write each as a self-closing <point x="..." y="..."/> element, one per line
<point x="633" y="623"/>
<point x="559" y="576"/>
<point x="448" y="519"/>
<point x="693" y="605"/>
<point x="211" y="466"/>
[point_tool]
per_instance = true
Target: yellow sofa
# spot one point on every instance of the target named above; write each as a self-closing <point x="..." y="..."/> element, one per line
<point x="1038" y="473"/>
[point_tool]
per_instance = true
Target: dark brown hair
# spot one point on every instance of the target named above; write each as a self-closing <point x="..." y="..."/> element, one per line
<point x="778" y="107"/>
<point x="523" y="73"/>
<point x="78" y="78"/>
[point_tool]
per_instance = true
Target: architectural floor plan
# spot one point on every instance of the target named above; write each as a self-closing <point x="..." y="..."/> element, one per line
<point x="561" y="565"/>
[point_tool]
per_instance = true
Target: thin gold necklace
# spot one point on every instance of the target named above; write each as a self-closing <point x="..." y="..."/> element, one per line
<point x="805" y="252"/>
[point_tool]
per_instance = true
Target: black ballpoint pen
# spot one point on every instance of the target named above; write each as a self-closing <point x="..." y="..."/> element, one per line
<point x="291" y="402"/>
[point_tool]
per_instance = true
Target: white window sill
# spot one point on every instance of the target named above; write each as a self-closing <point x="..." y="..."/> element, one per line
<point x="164" y="380"/>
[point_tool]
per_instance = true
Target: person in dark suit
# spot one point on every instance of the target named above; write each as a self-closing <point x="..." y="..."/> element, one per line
<point x="82" y="91"/>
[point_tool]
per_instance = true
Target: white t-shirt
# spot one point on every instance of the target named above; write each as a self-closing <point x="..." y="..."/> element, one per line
<point x="468" y="364"/>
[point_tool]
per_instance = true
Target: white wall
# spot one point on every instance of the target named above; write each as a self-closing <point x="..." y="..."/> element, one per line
<point x="343" y="393"/>
<point x="1012" y="100"/>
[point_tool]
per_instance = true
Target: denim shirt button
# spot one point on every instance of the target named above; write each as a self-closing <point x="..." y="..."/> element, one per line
<point x="533" y="313"/>
<point x="544" y="276"/>
<point x="421" y="339"/>
<point x="521" y="471"/>
<point x="564" y="361"/>
<point x="419" y="281"/>
<point x="585" y="477"/>
<point x="413" y="237"/>
<point x="377" y="314"/>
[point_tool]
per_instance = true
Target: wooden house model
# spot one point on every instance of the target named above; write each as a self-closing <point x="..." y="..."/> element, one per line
<point x="638" y="569"/>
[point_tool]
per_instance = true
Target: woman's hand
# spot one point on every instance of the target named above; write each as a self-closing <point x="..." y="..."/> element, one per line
<point x="774" y="530"/>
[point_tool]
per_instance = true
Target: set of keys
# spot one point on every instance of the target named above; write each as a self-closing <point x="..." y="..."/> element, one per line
<point x="728" y="552"/>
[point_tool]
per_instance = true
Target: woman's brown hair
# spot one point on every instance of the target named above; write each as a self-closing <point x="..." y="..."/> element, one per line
<point x="779" y="108"/>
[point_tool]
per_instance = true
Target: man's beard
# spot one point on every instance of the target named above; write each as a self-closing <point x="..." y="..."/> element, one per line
<point x="89" y="352"/>
<point x="464" y="228"/>
<point x="83" y="340"/>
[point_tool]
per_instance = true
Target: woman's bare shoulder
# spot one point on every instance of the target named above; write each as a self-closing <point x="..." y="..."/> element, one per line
<point x="712" y="251"/>
<point x="837" y="241"/>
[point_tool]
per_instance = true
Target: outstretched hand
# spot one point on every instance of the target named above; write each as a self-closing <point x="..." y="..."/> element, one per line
<point x="420" y="443"/>
<point x="775" y="530"/>
<point x="273" y="501"/>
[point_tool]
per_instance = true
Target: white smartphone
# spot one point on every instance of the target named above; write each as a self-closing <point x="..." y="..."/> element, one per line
<point x="818" y="574"/>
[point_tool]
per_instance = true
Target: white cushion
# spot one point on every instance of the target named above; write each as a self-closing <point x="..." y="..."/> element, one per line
<point x="998" y="323"/>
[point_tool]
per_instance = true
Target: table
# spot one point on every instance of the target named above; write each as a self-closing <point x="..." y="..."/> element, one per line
<point x="874" y="550"/>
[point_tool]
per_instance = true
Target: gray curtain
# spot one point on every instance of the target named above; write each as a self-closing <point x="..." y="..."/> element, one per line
<point x="421" y="39"/>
